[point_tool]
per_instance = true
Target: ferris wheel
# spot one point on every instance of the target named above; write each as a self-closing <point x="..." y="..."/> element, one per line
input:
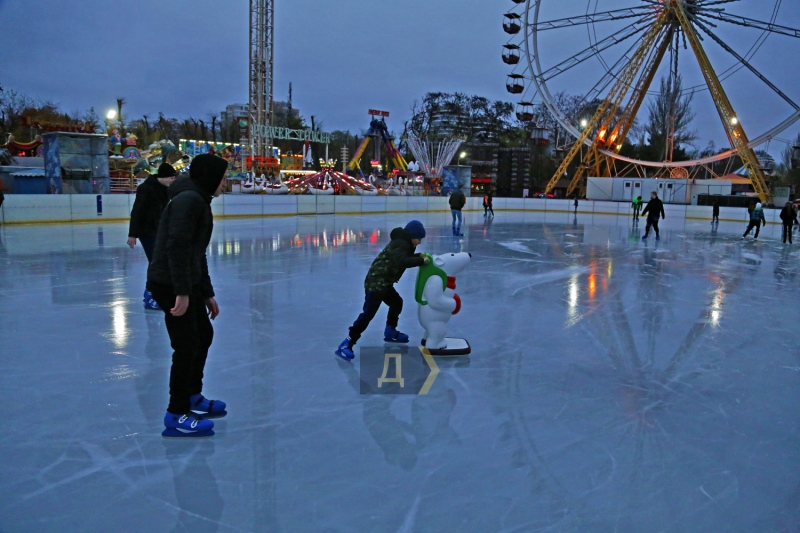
<point x="731" y="56"/>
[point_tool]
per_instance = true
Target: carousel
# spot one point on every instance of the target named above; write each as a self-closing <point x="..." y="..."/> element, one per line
<point x="329" y="181"/>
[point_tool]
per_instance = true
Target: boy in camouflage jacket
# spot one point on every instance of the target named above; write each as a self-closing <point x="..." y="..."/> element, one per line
<point x="386" y="270"/>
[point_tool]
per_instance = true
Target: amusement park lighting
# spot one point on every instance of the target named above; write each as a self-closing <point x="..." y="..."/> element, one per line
<point x="111" y="115"/>
<point x="463" y="154"/>
<point x="584" y="123"/>
<point x="734" y="121"/>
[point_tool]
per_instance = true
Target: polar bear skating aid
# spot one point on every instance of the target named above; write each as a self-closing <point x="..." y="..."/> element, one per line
<point x="438" y="301"/>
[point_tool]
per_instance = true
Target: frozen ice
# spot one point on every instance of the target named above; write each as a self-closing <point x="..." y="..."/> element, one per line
<point x="613" y="385"/>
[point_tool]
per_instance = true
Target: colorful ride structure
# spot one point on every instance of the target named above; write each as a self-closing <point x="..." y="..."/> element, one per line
<point x="379" y="134"/>
<point x="329" y="181"/>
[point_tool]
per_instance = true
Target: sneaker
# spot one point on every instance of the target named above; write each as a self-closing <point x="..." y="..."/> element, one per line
<point x="391" y="334"/>
<point x="186" y="426"/>
<point x="345" y="350"/>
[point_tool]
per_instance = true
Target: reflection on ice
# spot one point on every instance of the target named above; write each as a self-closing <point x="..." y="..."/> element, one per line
<point x="613" y="385"/>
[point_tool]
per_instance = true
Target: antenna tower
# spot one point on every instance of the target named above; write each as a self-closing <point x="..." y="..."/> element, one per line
<point x="261" y="63"/>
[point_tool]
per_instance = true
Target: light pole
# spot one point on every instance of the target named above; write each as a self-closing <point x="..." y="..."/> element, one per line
<point x="461" y="156"/>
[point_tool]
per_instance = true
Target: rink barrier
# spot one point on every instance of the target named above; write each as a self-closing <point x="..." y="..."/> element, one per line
<point x="83" y="208"/>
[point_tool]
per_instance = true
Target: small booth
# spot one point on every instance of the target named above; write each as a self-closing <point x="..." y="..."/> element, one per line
<point x="76" y="163"/>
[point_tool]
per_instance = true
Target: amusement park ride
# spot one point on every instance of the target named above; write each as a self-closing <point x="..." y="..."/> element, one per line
<point x="623" y="82"/>
<point x="379" y="133"/>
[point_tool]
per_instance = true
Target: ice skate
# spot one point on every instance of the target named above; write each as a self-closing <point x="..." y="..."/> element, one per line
<point x="186" y="426"/>
<point x="345" y="350"/>
<point x="205" y="408"/>
<point x="391" y="334"/>
<point x="149" y="302"/>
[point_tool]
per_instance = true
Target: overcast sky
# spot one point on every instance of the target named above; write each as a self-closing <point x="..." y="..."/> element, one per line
<point x="189" y="57"/>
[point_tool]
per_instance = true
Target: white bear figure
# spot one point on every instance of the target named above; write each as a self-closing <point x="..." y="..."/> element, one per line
<point x="436" y="296"/>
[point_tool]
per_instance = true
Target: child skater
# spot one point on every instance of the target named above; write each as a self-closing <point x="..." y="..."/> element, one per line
<point x="386" y="270"/>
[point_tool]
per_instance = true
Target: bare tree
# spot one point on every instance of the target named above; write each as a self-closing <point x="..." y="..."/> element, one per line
<point x="670" y="113"/>
<point x="213" y="118"/>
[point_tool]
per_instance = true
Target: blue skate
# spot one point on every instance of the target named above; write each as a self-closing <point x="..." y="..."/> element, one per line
<point x="186" y="426"/>
<point x="206" y="408"/>
<point x="149" y="302"/>
<point x="345" y="350"/>
<point x="391" y="334"/>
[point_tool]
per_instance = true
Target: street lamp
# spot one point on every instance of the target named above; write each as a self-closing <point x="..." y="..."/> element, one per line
<point x="111" y="115"/>
<point x="461" y="156"/>
<point x="584" y="123"/>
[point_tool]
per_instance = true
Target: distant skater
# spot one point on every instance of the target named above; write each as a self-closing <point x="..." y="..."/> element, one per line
<point x="788" y="217"/>
<point x="385" y="271"/>
<point x="653" y="209"/>
<point x="151" y="198"/>
<point x="457" y="202"/>
<point x="178" y="278"/>
<point x="756" y="219"/>
<point x="715" y="213"/>
<point x="576" y="205"/>
<point x="487" y="204"/>
<point x="636" y="204"/>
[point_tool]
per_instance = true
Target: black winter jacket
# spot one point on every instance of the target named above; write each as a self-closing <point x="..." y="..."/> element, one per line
<point x="457" y="200"/>
<point x="392" y="262"/>
<point x="151" y="198"/>
<point x="654" y="209"/>
<point x="179" y="258"/>
<point x="788" y="214"/>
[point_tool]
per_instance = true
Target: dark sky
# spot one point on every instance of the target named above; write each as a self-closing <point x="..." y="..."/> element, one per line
<point x="189" y="58"/>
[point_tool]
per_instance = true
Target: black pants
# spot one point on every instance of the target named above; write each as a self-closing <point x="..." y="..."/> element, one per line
<point x="148" y="244"/>
<point x="636" y="213"/>
<point x="190" y="335"/>
<point x="486" y="210"/>
<point x="651" y="222"/>
<point x="787" y="231"/>
<point x="372" y="302"/>
<point x="715" y="217"/>
<point x="753" y="224"/>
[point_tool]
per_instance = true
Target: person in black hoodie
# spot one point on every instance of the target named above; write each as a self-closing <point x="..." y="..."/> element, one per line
<point x="151" y="198"/>
<point x="788" y="217"/>
<point x="179" y="280"/>
<point x="653" y="209"/>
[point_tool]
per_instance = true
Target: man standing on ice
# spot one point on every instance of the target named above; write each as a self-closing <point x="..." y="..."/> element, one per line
<point x="179" y="281"/>
<point x="151" y="198"/>
<point x="653" y="210"/>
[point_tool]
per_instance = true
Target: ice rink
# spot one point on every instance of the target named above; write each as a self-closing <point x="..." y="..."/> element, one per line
<point x="613" y="385"/>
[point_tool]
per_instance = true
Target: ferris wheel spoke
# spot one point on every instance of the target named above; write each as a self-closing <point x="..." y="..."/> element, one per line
<point x="746" y="64"/>
<point x="752" y="23"/>
<point x="594" y="50"/>
<point x="610" y="76"/>
<point x="590" y="18"/>
<point x="733" y="127"/>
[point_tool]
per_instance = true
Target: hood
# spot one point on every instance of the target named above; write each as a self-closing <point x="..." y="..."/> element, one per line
<point x="207" y="171"/>
<point x="182" y="184"/>
<point x="400" y="234"/>
<point x="758" y="205"/>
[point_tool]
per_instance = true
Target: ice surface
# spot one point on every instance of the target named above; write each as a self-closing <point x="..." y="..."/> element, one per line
<point x="613" y="385"/>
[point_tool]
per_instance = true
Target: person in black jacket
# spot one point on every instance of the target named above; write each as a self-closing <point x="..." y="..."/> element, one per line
<point x="715" y="213"/>
<point x="788" y="217"/>
<point x="653" y="210"/>
<point x="179" y="280"/>
<point x="151" y="198"/>
<point x="457" y="202"/>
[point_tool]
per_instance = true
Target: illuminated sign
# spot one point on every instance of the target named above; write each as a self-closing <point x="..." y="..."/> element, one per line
<point x="378" y="113"/>
<point x="274" y="132"/>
